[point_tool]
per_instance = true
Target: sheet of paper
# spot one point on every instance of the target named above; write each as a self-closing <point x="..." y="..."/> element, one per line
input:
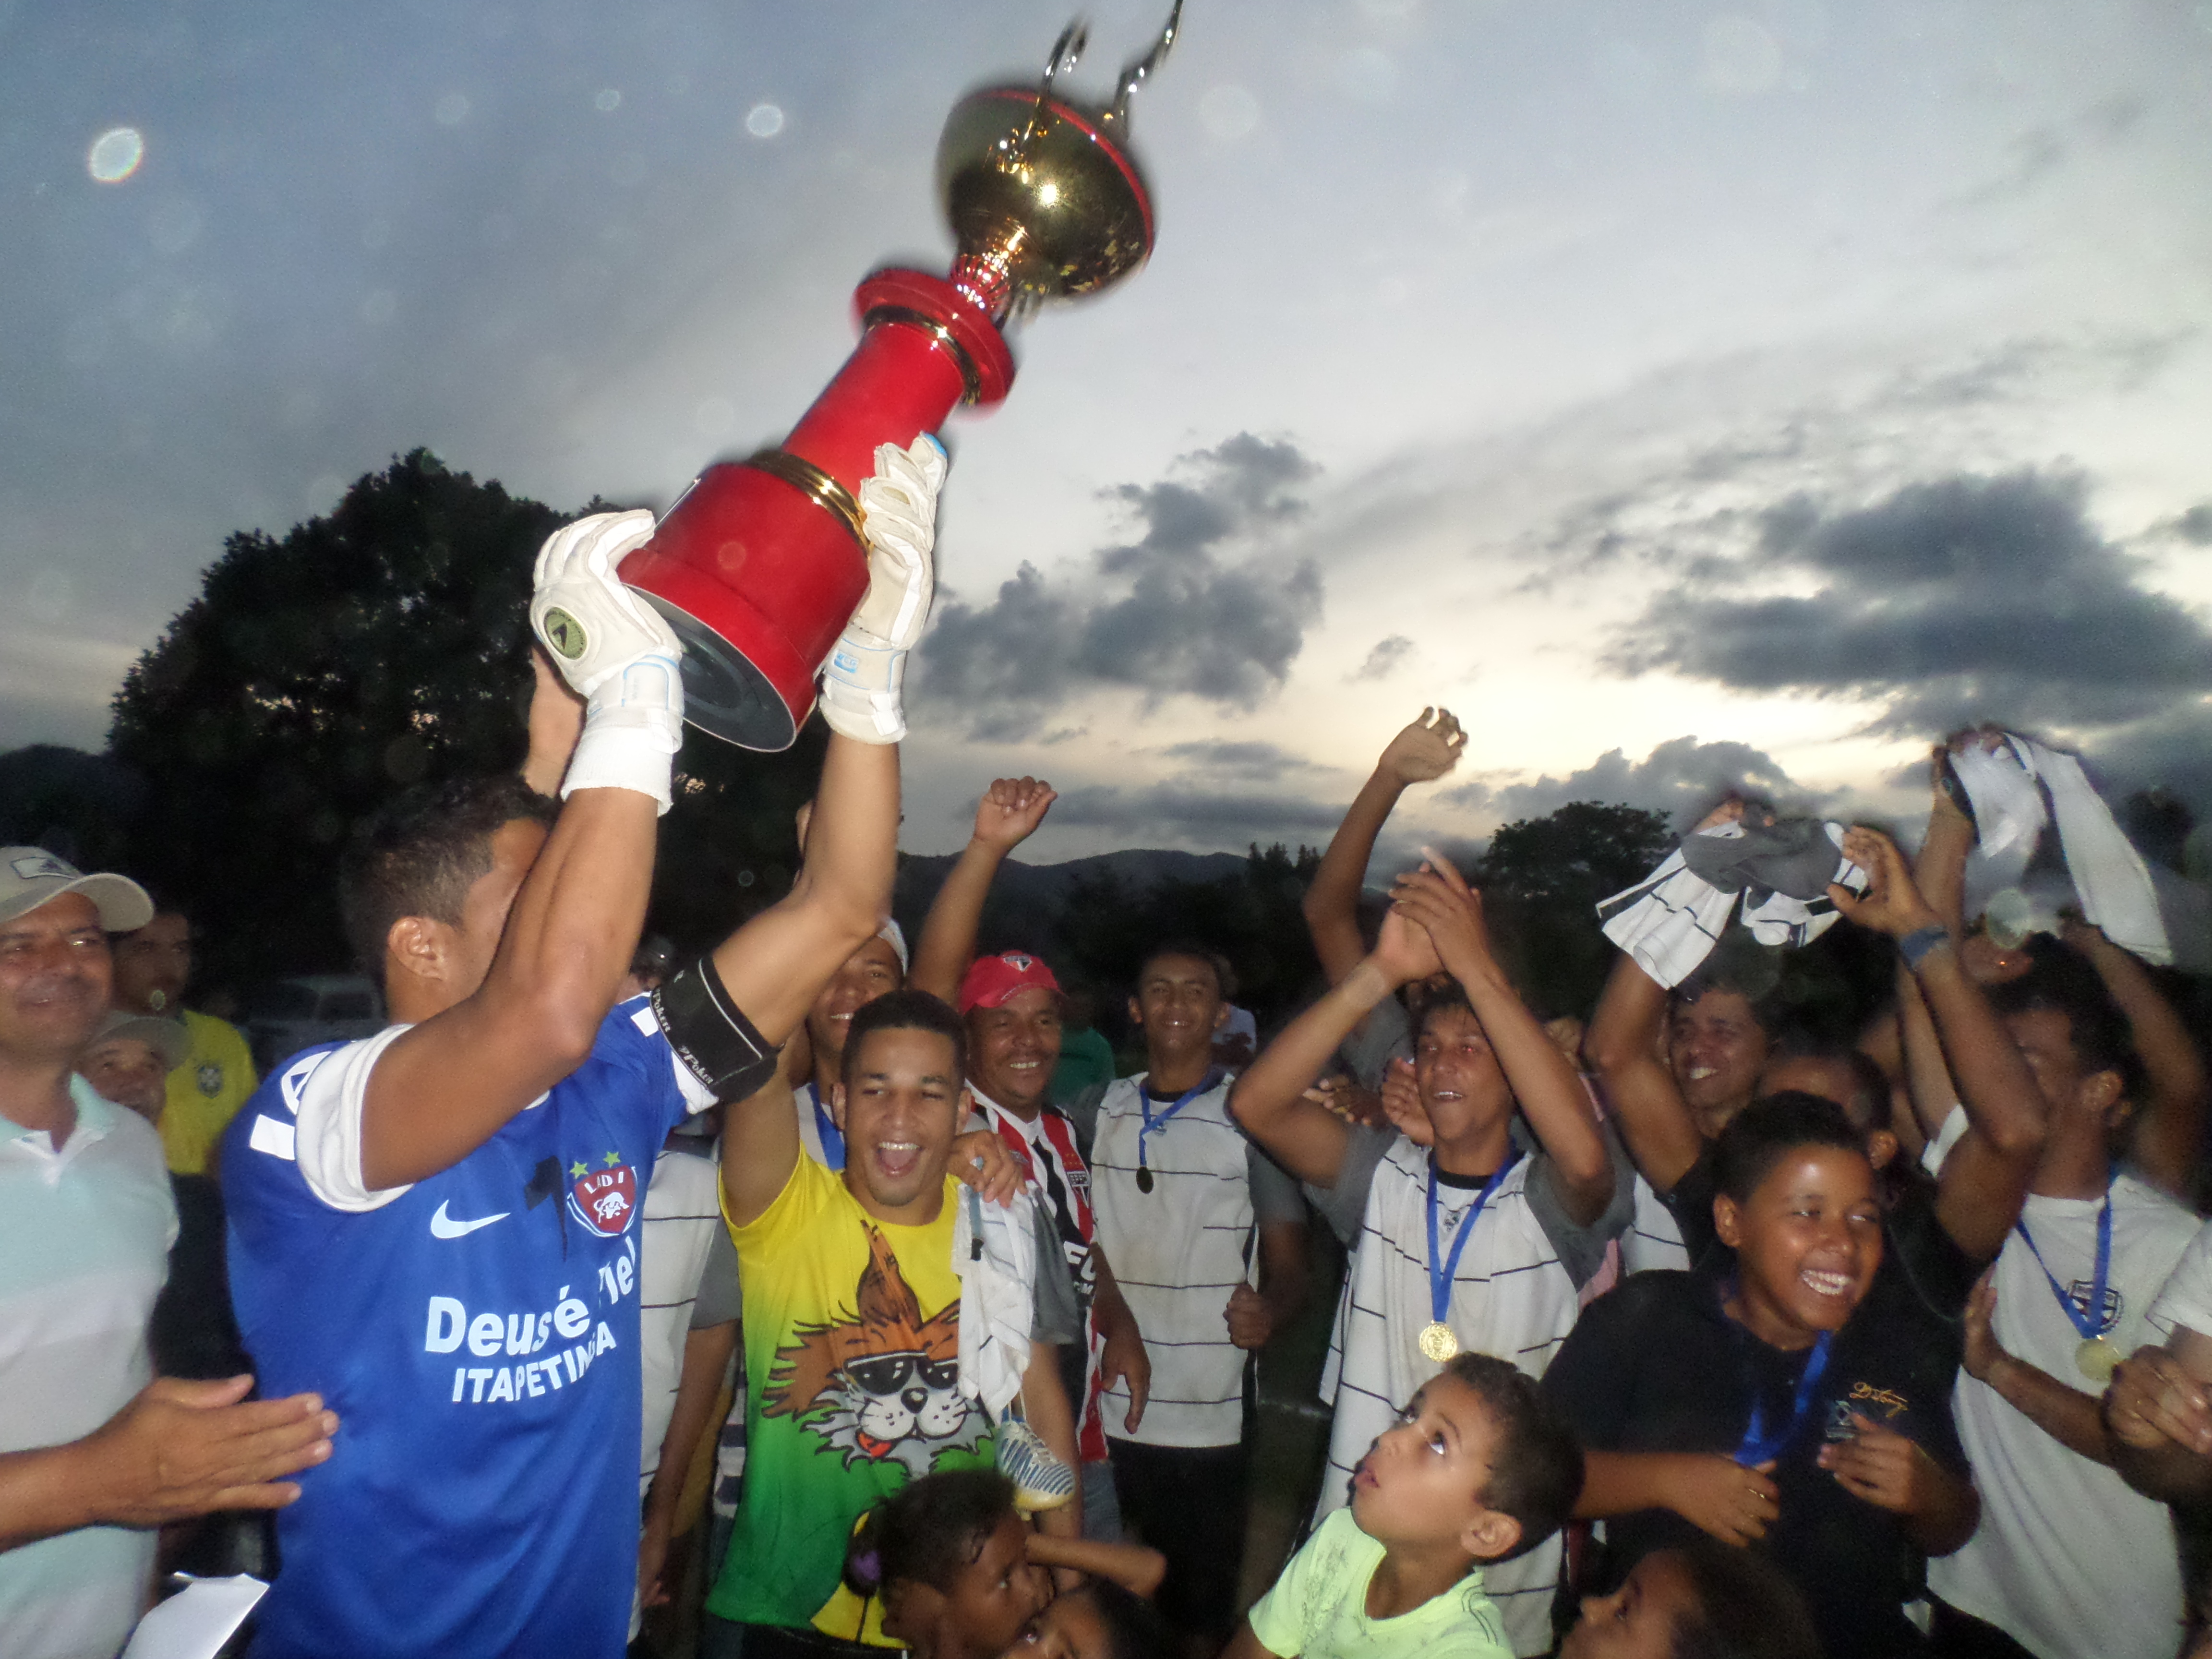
<point x="195" y="1622"/>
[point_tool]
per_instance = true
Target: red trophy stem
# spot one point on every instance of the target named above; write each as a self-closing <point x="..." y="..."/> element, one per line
<point x="761" y="563"/>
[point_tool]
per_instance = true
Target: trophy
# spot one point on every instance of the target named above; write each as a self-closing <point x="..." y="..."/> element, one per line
<point x="761" y="563"/>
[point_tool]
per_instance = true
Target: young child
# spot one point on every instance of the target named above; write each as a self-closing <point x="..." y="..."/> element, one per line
<point x="1099" y="1621"/>
<point x="1783" y="1395"/>
<point x="1477" y="1242"/>
<point x="961" y="1574"/>
<point x="1704" y="1600"/>
<point x="1478" y="1469"/>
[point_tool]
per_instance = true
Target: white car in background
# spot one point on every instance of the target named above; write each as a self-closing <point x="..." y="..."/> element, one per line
<point x="287" y="1015"/>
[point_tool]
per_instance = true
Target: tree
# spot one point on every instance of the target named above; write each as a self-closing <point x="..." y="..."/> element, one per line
<point x="382" y="645"/>
<point x="76" y="805"/>
<point x="1543" y="879"/>
<point x="1105" y="930"/>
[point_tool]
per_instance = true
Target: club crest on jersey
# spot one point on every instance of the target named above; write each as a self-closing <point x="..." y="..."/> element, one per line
<point x="2079" y="1293"/>
<point x="604" y="1198"/>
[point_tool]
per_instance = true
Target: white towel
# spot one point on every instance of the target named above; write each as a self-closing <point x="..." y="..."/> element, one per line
<point x="2110" y="876"/>
<point x="1670" y="921"/>
<point x="998" y="1296"/>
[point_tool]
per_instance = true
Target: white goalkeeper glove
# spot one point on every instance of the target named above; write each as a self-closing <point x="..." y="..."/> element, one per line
<point x="614" y="651"/>
<point x="862" y="680"/>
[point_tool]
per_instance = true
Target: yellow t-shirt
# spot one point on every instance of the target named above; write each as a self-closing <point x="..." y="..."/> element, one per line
<point x="206" y="1093"/>
<point x="852" y="1333"/>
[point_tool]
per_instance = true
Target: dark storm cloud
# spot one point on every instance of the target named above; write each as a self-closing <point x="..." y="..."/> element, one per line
<point x="2194" y="527"/>
<point x="1962" y="599"/>
<point x="1385" y="660"/>
<point x="1258" y="760"/>
<point x="1170" y="612"/>
<point x="1681" y="777"/>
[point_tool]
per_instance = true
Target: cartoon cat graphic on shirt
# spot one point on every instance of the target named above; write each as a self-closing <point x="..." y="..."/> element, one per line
<point x="884" y="1385"/>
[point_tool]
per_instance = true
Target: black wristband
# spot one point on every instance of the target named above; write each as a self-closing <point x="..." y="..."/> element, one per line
<point x="711" y="1034"/>
<point x="1914" y="945"/>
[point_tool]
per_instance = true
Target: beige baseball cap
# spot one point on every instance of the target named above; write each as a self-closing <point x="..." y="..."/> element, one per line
<point x="30" y="876"/>
<point x="167" y="1037"/>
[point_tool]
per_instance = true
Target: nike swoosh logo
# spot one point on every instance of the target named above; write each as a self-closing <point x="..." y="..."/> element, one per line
<point x="444" y="1226"/>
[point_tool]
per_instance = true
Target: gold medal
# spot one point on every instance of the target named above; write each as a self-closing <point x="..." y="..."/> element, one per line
<point x="2097" y="1359"/>
<point x="1438" y="1341"/>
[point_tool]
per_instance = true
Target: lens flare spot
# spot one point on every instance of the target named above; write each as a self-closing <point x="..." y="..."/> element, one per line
<point x="452" y="109"/>
<point x="115" y="155"/>
<point x="1229" y="111"/>
<point x="764" y="120"/>
<point x="608" y="100"/>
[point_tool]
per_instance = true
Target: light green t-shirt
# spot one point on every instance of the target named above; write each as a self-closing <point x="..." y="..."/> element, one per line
<point x="1318" y="1607"/>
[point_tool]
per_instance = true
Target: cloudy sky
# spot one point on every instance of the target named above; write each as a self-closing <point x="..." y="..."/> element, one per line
<point x="1680" y="392"/>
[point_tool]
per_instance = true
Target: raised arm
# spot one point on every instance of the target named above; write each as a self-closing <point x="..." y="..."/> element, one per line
<point x="2169" y="1132"/>
<point x="1622" y="1047"/>
<point x="1269" y="1097"/>
<point x="1008" y="816"/>
<point x="1985" y="1180"/>
<point x="774" y="966"/>
<point x="1543" y="1080"/>
<point x="447" y="1084"/>
<point x="1940" y="867"/>
<point x="1425" y="750"/>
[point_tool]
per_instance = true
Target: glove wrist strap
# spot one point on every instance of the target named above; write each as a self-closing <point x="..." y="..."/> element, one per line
<point x="862" y="687"/>
<point x="633" y="728"/>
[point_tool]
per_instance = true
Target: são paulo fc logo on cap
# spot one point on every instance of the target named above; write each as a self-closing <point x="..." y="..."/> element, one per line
<point x="604" y="1195"/>
<point x="1017" y="962"/>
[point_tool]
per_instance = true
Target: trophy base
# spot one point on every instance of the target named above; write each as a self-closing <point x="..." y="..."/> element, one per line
<point x="725" y="695"/>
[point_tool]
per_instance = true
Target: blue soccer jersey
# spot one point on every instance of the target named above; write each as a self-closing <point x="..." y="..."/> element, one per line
<point x="478" y="1337"/>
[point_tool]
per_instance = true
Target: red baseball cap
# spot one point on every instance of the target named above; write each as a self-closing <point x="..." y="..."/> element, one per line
<point x="991" y="980"/>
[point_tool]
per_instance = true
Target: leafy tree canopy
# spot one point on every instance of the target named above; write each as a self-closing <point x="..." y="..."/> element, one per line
<point x="382" y="645"/>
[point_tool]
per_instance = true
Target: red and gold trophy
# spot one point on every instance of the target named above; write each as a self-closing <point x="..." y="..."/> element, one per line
<point x="760" y="563"/>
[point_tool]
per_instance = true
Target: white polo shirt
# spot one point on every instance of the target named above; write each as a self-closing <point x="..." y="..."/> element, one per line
<point x="85" y="1231"/>
<point x="2069" y="1559"/>
<point x="1180" y="1250"/>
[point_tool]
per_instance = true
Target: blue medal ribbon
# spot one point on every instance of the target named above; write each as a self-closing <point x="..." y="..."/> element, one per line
<point x="1440" y="1283"/>
<point x="1760" y="1447"/>
<point x="833" y="1139"/>
<point x="2091" y="1323"/>
<point x="1154" y="1122"/>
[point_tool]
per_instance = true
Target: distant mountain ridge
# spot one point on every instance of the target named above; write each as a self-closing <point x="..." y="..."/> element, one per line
<point x="1027" y="896"/>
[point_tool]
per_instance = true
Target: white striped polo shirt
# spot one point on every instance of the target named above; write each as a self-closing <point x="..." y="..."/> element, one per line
<point x="1179" y="1251"/>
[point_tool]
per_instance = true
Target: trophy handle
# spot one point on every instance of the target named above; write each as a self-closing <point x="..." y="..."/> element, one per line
<point x="1132" y="77"/>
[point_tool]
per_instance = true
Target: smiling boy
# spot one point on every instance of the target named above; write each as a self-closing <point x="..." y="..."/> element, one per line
<point x="1187" y="1206"/>
<point x="852" y="1326"/>
<point x="1786" y="1397"/>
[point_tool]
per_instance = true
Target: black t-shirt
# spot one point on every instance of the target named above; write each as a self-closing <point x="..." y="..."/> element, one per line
<point x="1656" y="1366"/>
<point x="1915" y="1247"/>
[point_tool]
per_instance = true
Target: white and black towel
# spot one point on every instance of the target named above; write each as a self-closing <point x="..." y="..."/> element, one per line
<point x="2007" y="787"/>
<point x="1779" y="873"/>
